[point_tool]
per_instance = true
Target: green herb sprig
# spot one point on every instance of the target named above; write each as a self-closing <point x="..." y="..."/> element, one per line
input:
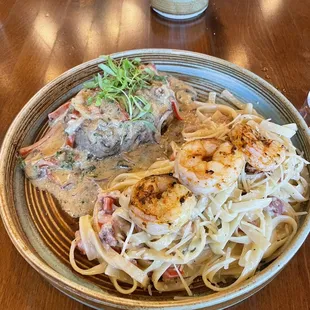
<point x="120" y="82"/>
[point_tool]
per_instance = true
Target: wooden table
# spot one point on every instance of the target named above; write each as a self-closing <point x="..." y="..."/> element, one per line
<point x="39" y="40"/>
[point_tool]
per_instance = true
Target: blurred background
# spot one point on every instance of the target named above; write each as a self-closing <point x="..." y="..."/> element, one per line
<point x="42" y="39"/>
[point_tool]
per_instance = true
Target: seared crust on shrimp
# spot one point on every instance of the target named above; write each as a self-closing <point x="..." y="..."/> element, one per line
<point x="160" y="204"/>
<point x="208" y="165"/>
<point x="261" y="153"/>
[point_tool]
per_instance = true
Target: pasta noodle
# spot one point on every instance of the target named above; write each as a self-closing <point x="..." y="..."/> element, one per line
<point x="230" y="232"/>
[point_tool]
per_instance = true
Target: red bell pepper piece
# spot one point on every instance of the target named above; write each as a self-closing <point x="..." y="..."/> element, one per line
<point x="176" y="111"/>
<point x="60" y="111"/>
<point x="70" y="140"/>
<point x="171" y="273"/>
<point x="107" y="205"/>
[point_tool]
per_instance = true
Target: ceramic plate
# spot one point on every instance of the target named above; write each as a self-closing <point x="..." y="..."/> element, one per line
<point x="42" y="232"/>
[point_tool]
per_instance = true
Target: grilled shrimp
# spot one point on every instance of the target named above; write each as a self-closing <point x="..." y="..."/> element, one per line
<point x="160" y="204"/>
<point x="261" y="153"/>
<point x="208" y="165"/>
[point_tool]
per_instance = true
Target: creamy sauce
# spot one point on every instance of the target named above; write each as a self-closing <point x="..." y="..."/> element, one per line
<point x="140" y="158"/>
<point x="77" y="198"/>
<point x="77" y="189"/>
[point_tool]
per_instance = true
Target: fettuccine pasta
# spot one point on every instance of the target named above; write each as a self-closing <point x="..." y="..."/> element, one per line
<point x="226" y="203"/>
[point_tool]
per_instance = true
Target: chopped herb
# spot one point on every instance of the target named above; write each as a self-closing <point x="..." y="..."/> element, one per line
<point x="21" y="162"/>
<point x="69" y="161"/>
<point x="58" y="153"/>
<point x="96" y="134"/>
<point x="37" y="170"/>
<point x="88" y="171"/>
<point x="66" y="165"/>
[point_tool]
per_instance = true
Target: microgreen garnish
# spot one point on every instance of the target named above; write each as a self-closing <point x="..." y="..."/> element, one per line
<point x="120" y="82"/>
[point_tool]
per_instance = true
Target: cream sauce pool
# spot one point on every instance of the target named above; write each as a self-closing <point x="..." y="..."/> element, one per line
<point x="77" y="191"/>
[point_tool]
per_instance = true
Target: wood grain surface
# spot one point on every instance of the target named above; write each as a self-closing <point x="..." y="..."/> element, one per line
<point x="39" y="40"/>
